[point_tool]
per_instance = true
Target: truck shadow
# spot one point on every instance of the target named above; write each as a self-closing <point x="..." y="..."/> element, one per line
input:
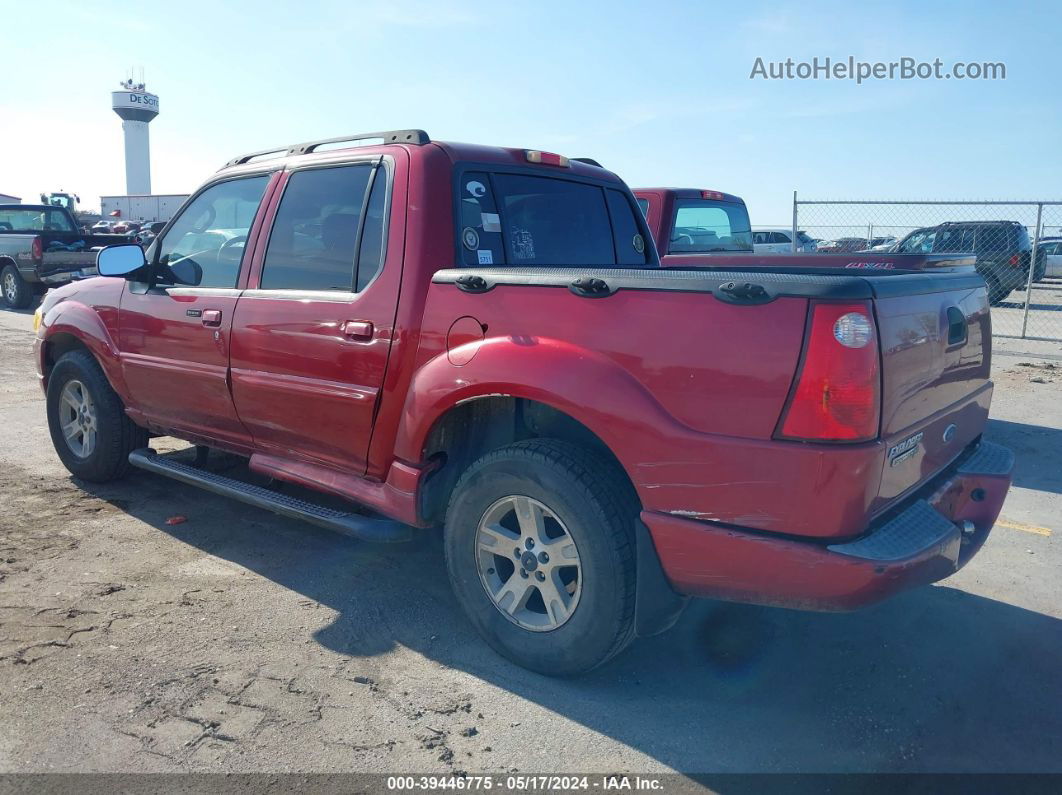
<point x="935" y="680"/>
<point x="1037" y="451"/>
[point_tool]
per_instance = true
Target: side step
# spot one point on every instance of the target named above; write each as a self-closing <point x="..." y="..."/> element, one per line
<point x="365" y="528"/>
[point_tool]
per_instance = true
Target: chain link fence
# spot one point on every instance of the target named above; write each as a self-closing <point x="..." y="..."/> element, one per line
<point x="1018" y="246"/>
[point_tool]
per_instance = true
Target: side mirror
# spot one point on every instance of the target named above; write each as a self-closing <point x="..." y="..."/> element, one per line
<point x="120" y="260"/>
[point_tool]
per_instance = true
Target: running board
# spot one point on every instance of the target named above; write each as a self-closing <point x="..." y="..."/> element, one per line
<point x="365" y="528"/>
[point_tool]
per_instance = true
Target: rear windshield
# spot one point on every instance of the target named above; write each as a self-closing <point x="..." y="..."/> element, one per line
<point x="703" y="226"/>
<point x="518" y="219"/>
<point x="34" y="220"/>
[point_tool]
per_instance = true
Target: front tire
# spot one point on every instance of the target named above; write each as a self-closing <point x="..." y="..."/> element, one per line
<point x="17" y="294"/>
<point x="541" y="555"/>
<point x="90" y="431"/>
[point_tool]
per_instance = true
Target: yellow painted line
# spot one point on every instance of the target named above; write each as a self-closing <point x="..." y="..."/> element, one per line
<point x="1025" y="528"/>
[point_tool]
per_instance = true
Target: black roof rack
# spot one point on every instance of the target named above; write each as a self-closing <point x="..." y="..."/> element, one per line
<point x="961" y="223"/>
<point x="588" y="161"/>
<point x="418" y="137"/>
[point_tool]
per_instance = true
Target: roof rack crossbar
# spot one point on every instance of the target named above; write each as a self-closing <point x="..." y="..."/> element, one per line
<point x="417" y="137"/>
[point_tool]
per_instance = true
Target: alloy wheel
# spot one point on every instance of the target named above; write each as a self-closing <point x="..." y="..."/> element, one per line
<point x="528" y="563"/>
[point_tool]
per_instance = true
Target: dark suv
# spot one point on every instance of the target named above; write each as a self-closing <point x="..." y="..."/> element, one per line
<point x="1003" y="251"/>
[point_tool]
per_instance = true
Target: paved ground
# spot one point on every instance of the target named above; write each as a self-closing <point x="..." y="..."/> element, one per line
<point x="237" y="641"/>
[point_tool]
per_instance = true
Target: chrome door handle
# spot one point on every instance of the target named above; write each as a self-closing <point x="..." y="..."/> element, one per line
<point x="358" y="329"/>
<point x="211" y="317"/>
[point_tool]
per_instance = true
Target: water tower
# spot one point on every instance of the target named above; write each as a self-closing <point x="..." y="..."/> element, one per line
<point x="137" y="108"/>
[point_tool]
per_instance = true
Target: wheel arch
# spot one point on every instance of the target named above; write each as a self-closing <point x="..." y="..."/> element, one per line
<point x="73" y="326"/>
<point x="498" y="420"/>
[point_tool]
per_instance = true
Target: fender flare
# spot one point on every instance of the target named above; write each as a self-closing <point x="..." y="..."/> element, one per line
<point x="84" y="324"/>
<point x="586" y="385"/>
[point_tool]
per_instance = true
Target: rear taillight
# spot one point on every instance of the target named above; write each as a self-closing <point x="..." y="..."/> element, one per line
<point x="1015" y="260"/>
<point x="37" y="249"/>
<point x="837" y="396"/>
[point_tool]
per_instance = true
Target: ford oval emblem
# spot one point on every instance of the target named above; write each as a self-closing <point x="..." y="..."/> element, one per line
<point x="949" y="432"/>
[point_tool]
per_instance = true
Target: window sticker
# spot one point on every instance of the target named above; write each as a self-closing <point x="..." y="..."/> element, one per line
<point x="476" y="188"/>
<point x="639" y="244"/>
<point x="522" y="243"/>
<point x="491" y="222"/>
<point x="470" y="238"/>
<point x="485" y="256"/>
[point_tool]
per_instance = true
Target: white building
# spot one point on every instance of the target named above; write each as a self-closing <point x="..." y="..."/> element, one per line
<point x="8" y="199"/>
<point x="156" y="207"/>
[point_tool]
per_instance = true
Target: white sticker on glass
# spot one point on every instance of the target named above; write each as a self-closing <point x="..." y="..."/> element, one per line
<point x="485" y="256"/>
<point x="491" y="222"/>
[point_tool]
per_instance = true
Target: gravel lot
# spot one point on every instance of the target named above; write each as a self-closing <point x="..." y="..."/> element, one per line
<point x="238" y="641"/>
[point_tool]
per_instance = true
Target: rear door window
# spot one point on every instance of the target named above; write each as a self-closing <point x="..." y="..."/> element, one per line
<point x="314" y="241"/>
<point x="517" y="219"/>
<point x="954" y="240"/>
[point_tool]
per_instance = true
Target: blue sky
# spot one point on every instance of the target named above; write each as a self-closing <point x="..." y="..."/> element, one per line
<point x="659" y="92"/>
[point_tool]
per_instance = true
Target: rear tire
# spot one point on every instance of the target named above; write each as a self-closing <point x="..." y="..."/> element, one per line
<point x="997" y="293"/>
<point x="90" y="431"/>
<point x="511" y="507"/>
<point x="16" y="293"/>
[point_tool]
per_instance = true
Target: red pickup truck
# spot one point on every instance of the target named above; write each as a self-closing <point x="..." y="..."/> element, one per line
<point x="482" y="339"/>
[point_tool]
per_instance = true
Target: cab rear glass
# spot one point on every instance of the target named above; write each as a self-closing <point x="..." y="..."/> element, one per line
<point x="519" y="219"/>
<point x="704" y="226"/>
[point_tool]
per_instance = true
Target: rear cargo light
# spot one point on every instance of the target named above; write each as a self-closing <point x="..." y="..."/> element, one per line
<point x="546" y="158"/>
<point x="712" y="194"/>
<point x="37" y="249"/>
<point x="837" y="396"/>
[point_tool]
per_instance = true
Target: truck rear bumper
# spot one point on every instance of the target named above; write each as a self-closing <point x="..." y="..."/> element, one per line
<point x="921" y="542"/>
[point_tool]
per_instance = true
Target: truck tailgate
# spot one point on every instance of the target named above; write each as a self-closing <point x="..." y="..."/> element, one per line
<point x="936" y="359"/>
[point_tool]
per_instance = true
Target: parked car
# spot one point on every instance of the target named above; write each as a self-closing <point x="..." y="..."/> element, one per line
<point x="1052" y="254"/>
<point x="881" y="243"/>
<point x="482" y="339"/>
<point x="780" y="241"/>
<point x="843" y="245"/>
<point x="125" y="227"/>
<point x="41" y="246"/>
<point x="102" y="228"/>
<point x="1002" y="248"/>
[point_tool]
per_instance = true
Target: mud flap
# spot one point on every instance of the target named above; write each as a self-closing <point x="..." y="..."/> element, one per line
<point x="657" y="606"/>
